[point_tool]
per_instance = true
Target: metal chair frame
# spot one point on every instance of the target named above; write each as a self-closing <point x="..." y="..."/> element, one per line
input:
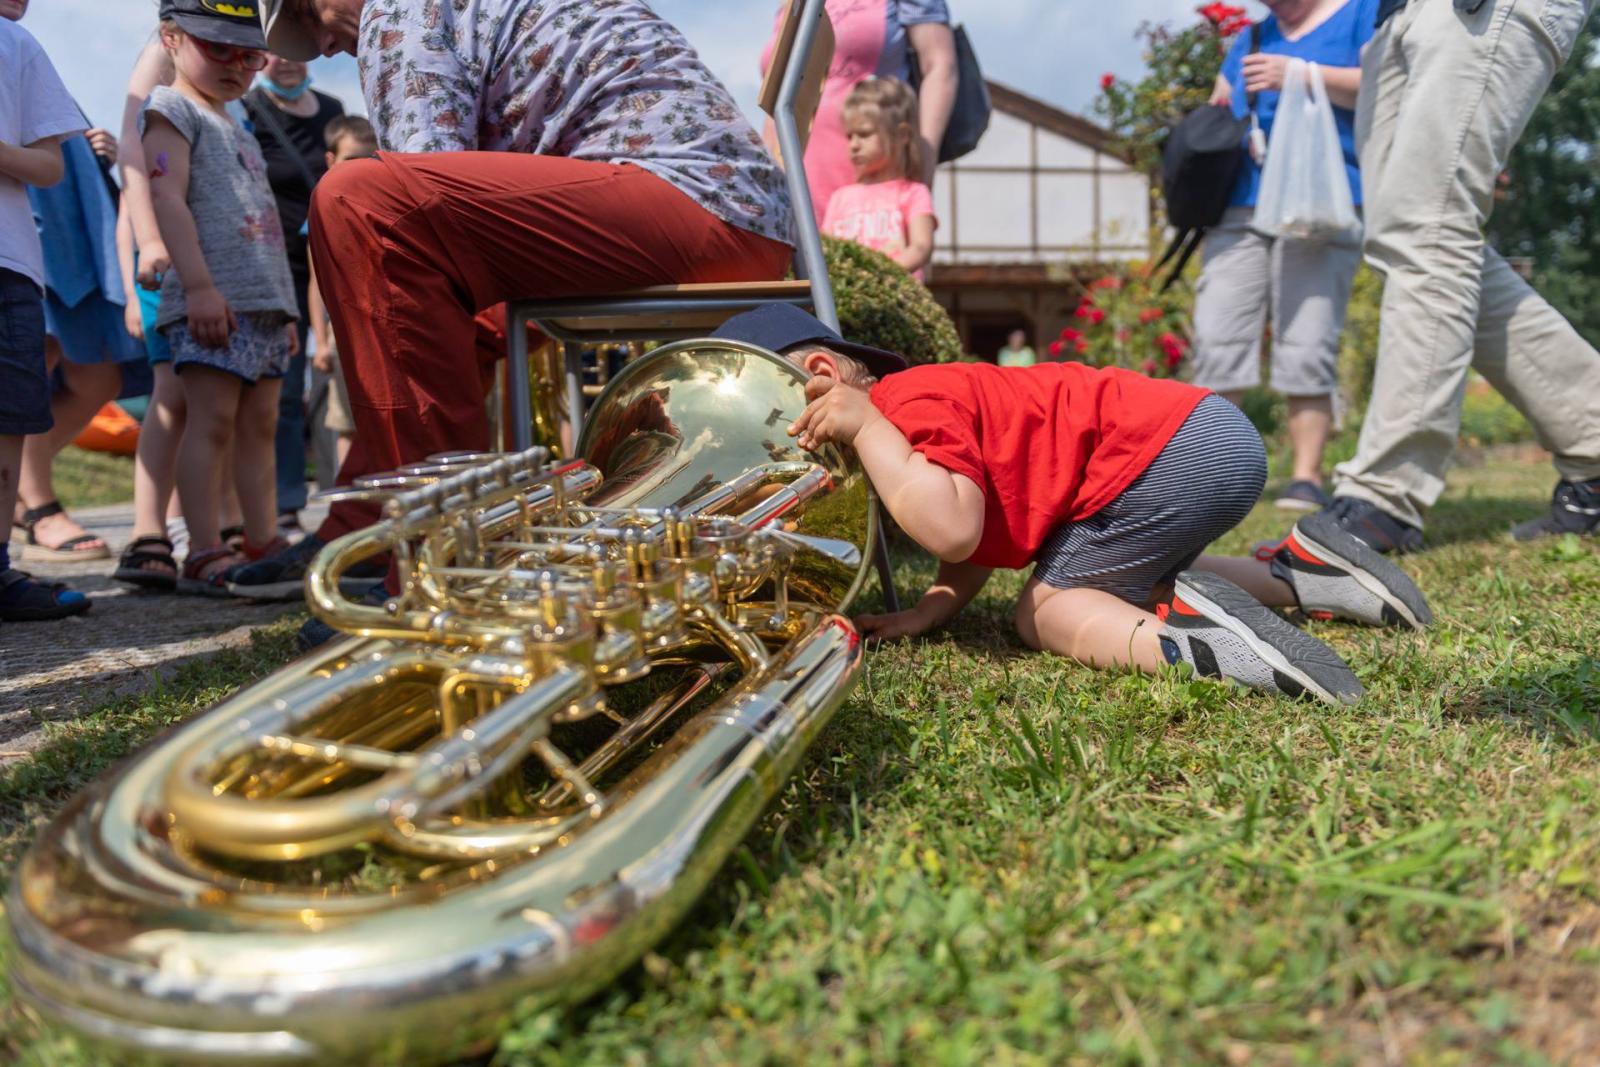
<point x="810" y="266"/>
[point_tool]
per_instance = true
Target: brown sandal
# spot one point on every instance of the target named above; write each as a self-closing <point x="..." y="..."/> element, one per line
<point x="202" y="575"/>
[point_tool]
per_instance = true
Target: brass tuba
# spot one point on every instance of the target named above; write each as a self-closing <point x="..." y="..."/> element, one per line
<point x="504" y="784"/>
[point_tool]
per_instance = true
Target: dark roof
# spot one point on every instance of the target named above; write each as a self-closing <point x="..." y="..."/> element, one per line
<point x="1047" y="116"/>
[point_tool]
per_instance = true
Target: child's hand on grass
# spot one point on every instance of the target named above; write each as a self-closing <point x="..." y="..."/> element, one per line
<point x="913" y="622"/>
<point x="837" y="413"/>
<point x="211" y="320"/>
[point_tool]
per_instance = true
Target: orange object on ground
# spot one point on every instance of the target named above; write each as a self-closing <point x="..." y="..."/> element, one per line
<point x="111" y="430"/>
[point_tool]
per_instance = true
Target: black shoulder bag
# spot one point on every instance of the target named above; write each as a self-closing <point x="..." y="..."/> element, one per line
<point x="969" y="117"/>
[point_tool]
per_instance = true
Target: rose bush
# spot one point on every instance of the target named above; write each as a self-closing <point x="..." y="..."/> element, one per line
<point x="1123" y="320"/>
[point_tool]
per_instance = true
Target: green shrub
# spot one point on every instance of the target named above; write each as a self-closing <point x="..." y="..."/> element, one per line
<point x="1488" y="419"/>
<point x="880" y="304"/>
<point x="1358" y="350"/>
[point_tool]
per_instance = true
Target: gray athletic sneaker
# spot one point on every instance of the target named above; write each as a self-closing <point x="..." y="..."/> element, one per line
<point x="1336" y="575"/>
<point x="1223" y="632"/>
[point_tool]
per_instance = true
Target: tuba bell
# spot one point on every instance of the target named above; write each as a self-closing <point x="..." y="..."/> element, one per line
<point x="499" y="788"/>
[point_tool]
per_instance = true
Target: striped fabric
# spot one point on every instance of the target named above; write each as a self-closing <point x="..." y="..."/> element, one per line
<point x="1202" y="485"/>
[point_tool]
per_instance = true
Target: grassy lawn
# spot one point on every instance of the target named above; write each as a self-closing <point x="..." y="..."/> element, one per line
<point x="88" y="479"/>
<point x="998" y="857"/>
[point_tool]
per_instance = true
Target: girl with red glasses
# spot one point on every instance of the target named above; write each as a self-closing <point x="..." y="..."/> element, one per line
<point x="227" y="305"/>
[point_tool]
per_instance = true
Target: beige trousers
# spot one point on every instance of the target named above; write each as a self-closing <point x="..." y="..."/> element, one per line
<point x="1444" y="96"/>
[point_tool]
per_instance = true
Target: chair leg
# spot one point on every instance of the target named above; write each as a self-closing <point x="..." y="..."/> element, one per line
<point x="880" y="556"/>
<point x="517" y="382"/>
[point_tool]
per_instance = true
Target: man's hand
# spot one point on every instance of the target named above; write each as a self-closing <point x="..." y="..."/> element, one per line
<point x="913" y="622"/>
<point x="1264" y="73"/>
<point x="153" y="263"/>
<point x="103" y="144"/>
<point x="836" y="413"/>
<point x="211" y="320"/>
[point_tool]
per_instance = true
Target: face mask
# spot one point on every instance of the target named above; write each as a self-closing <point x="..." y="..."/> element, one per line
<point x="289" y="95"/>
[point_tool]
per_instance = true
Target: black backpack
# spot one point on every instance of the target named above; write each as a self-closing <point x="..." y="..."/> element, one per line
<point x="1199" y="163"/>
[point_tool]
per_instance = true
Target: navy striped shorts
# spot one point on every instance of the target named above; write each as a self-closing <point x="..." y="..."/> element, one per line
<point x="1204" y="482"/>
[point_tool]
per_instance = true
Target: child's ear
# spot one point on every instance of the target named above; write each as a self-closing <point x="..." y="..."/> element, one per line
<point x="330" y="159"/>
<point x="820" y="362"/>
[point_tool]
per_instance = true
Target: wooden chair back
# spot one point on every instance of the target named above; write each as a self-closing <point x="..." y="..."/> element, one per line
<point x="816" y="70"/>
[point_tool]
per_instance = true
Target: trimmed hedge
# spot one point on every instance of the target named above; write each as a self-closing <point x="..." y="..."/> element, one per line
<point x="880" y="304"/>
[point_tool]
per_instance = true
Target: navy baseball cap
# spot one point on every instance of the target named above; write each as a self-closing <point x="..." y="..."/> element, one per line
<point x="780" y="326"/>
<point x="218" y="21"/>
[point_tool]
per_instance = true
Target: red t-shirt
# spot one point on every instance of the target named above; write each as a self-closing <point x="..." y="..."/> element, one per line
<point x="1047" y="444"/>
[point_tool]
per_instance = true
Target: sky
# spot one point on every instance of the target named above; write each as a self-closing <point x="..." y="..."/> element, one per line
<point x="1053" y="49"/>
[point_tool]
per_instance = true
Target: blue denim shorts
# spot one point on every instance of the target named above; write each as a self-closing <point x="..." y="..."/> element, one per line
<point x="25" y="399"/>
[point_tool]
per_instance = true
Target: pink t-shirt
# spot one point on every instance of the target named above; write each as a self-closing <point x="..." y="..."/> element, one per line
<point x="878" y="215"/>
<point x="870" y="39"/>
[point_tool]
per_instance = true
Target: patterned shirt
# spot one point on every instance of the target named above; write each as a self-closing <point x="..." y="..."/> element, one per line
<point x="606" y="80"/>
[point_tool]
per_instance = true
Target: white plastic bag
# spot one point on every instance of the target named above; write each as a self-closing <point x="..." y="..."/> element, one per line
<point x="1305" y="192"/>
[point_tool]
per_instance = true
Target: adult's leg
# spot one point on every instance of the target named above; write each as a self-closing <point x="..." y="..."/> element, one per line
<point x="1310" y="292"/>
<point x="409" y="248"/>
<point x="1467" y="85"/>
<point x="1230" y="306"/>
<point x="87" y="387"/>
<point x="290" y="427"/>
<point x="212" y="399"/>
<point x="1532" y="355"/>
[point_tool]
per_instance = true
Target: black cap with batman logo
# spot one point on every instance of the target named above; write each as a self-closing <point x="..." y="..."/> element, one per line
<point x="236" y="23"/>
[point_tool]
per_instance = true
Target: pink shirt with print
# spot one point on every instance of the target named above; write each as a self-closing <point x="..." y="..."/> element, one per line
<point x="878" y="215"/>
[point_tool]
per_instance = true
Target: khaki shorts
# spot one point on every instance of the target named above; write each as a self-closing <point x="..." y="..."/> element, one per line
<point x="337" y="417"/>
<point x="1245" y="277"/>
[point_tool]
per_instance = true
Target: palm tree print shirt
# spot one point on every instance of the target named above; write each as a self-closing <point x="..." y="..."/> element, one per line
<point x="606" y="80"/>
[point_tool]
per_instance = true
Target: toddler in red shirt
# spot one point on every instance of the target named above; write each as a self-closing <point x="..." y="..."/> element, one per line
<point x="1111" y="484"/>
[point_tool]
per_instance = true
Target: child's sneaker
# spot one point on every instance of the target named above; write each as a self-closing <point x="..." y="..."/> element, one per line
<point x="1336" y="575"/>
<point x="1223" y="632"/>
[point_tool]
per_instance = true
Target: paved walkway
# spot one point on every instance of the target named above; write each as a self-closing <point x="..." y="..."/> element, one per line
<point x="129" y="642"/>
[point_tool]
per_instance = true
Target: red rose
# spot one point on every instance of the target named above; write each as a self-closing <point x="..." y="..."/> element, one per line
<point x="1173" y="359"/>
<point x="1108" y="282"/>
<point x="1069" y="334"/>
<point x="1081" y="347"/>
<point x="1150" y="366"/>
<point x="1214" y="12"/>
<point x="1055" y="349"/>
<point x="1107" y="81"/>
<point x="1149" y="315"/>
<point x="1096" y="316"/>
<point x="1085" y="309"/>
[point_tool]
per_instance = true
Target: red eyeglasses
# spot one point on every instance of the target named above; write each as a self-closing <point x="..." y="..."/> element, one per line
<point x="228" y="56"/>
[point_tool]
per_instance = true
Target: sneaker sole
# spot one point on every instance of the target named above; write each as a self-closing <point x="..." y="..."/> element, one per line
<point x="1308" y="663"/>
<point x="1370" y="569"/>
<point x="1290" y="503"/>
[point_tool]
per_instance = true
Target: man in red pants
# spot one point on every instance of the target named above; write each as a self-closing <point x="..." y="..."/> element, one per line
<point x="531" y="149"/>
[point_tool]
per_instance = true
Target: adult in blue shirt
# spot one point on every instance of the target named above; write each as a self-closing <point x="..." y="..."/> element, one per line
<point x="1303" y="285"/>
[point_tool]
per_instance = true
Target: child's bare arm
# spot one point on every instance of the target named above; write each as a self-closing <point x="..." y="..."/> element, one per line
<point x="951" y="591"/>
<point x="210" y="319"/>
<point x="919" y="247"/>
<point x="317" y="311"/>
<point x="38" y="164"/>
<point x="153" y="68"/>
<point x="133" y="316"/>
<point x="942" y="511"/>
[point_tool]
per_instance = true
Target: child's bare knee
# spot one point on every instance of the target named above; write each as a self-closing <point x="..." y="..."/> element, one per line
<point x="1025" y="620"/>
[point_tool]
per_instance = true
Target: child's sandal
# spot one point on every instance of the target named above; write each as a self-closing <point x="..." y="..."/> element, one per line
<point x="205" y="573"/>
<point x="134" y="565"/>
<point x="233" y="537"/>
<point x="257" y="552"/>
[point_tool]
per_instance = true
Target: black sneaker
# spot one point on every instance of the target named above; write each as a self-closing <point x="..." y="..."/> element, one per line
<point x="314" y="633"/>
<point x="282" y="576"/>
<point x="1574" y="509"/>
<point x="1376" y="527"/>
<point x="1302" y="496"/>
<point x="1223" y="632"/>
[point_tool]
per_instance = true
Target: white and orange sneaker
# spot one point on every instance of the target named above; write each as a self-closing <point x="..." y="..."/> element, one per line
<point x="1224" y="632"/>
<point x="1336" y="575"/>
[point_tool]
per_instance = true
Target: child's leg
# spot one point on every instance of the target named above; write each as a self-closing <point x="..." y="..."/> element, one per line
<point x="1252" y="575"/>
<point x="232" y="515"/>
<point x="1090" y="626"/>
<point x="157" y="457"/>
<point x="211" y="398"/>
<point x="10" y="466"/>
<point x="255" y="471"/>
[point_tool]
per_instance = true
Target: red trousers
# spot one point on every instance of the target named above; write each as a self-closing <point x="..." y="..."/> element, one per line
<point x="410" y="249"/>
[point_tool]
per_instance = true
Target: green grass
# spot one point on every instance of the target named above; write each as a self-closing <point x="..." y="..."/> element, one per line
<point x="88" y="479"/>
<point x="994" y="856"/>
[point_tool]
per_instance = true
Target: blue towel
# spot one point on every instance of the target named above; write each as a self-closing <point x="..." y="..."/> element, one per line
<point x="78" y="228"/>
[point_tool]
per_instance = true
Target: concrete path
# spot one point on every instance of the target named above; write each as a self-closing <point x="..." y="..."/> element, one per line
<point x="127" y="643"/>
